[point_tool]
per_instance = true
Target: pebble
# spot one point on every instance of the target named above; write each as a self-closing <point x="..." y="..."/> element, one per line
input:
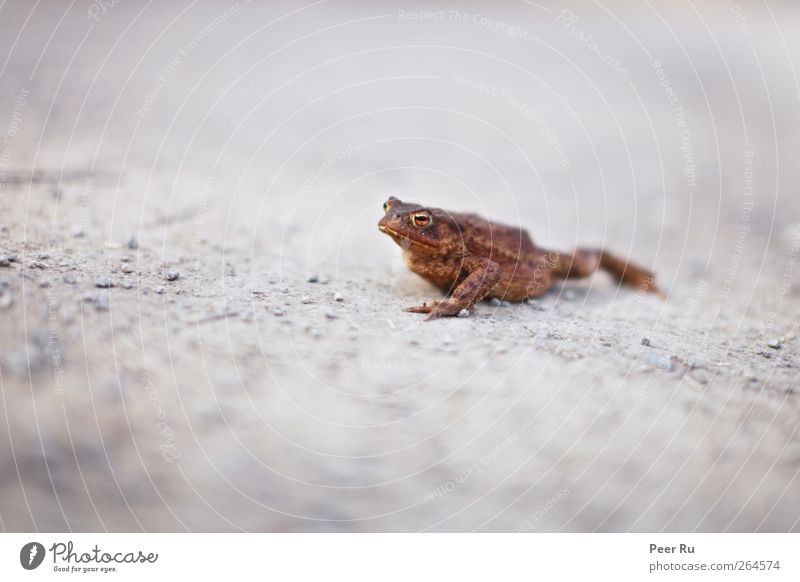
<point x="495" y="302"/>
<point x="568" y="353"/>
<point x="103" y="282"/>
<point x="161" y="290"/>
<point x="70" y="279"/>
<point x="700" y="376"/>
<point x="646" y="342"/>
<point x="658" y="361"/>
<point x="330" y="313"/>
<point x="12" y="257"/>
<point x="38" y="265"/>
<point x="463" y="313"/>
<point x="173" y="275"/>
<point x="305" y="300"/>
<point x="4" y="262"/>
<point x="696" y="362"/>
<point x="338" y="297"/>
<point x="278" y="312"/>
<point x="128" y="269"/>
<point x="100" y="302"/>
<point x="313" y="279"/>
<point x="127" y="285"/>
<point x="447" y="340"/>
<point x="775" y="344"/>
<point x="77" y="232"/>
<point x="133" y="243"/>
<point x="44" y="283"/>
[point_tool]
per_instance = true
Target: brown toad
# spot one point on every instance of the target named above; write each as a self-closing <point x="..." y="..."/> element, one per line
<point x="471" y="258"/>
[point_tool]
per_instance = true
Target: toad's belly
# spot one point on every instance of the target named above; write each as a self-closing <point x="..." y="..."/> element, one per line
<point x="442" y="272"/>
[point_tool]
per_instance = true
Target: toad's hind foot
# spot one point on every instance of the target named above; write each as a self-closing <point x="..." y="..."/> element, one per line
<point x="584" y="262"/>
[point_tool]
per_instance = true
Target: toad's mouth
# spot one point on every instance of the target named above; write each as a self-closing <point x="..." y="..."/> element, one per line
<point x="402" y="239"/>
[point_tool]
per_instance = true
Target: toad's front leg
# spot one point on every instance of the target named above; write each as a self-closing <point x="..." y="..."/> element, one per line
<point x="482" y="277"/>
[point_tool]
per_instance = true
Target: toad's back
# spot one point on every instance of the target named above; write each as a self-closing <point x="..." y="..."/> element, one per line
<point x="507" y="245"/>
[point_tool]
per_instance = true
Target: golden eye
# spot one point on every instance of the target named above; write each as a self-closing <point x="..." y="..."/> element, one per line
<point x="386" y="206"/>
<point x="421" y="219"/>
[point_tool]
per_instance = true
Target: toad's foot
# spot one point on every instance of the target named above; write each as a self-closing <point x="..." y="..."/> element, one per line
<point x="483" y="276"/>
<point x="424" y="308"/>
<point x="447" y="308"/>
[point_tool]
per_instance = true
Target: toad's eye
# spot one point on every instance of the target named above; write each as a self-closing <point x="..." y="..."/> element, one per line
<point x="421" y="219"/>
<point x="386" y="207"/>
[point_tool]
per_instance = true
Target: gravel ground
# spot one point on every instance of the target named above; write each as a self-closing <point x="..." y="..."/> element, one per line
<point x="202" y="328"/>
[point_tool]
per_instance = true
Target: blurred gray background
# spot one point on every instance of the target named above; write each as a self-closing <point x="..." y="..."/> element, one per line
<point x="249" y="146"/>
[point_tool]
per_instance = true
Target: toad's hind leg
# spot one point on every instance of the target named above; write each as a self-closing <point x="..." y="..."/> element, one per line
<point x="584" y="262"/>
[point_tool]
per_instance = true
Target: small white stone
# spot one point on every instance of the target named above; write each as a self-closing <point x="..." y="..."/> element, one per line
<point x="463" y="313"/>
<point x="338" y="297"/>
<point x="658" y="361"/>
<point x="775" y="344"/>
<point x="447" y="340"/>
<point x="330" y="313"/>
<point x="494" y="302"/>
<point x="305" y="300"/>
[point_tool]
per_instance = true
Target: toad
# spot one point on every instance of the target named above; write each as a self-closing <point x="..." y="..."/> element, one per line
<point x="471" y="259"/>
